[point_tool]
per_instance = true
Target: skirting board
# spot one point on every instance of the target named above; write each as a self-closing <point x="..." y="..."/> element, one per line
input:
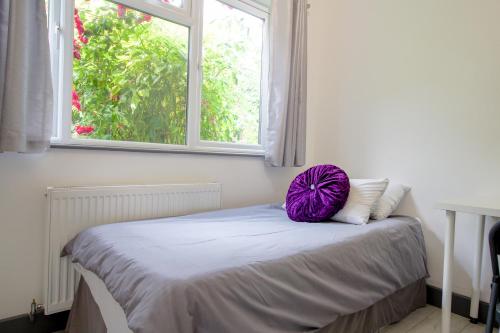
<point x="42" y="324"/>
<point x="48" y="324"/>
<point x="460" y="304"/>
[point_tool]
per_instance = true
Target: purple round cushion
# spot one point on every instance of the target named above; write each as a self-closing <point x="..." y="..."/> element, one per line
<point x="317" y="193"/>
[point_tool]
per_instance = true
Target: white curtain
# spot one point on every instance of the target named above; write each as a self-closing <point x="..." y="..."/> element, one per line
<point x="25" y="78"/>
<point x="286" y="134"/>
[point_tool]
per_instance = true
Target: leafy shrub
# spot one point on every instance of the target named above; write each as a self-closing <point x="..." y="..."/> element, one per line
<point x="136" y="90"/>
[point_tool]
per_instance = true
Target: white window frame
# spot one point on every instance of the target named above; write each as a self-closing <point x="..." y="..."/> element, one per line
<point x="190" y="15"/>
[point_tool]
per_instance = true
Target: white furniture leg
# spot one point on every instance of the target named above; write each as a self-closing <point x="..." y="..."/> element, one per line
<point x="448" y="271"/>
<point x="476" y="277"/>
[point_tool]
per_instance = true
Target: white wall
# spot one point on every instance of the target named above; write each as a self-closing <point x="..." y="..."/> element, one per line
<point x="410" y="89"/>
<point x="24" y="178"/>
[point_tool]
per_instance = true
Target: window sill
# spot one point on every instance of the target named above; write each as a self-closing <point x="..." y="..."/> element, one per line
<point x="169" y="150"/>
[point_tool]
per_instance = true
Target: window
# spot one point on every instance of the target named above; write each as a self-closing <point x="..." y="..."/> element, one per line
<point x="160" y="74"/>
<point x="232" y="53"/>
<point x="129" y="75"/>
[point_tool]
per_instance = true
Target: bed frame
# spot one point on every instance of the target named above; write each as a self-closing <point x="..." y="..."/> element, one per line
<point x="73" y="209"/>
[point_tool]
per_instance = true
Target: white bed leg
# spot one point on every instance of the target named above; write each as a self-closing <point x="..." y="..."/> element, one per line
<point x="448" y="271"/>
<point x="476" y="277"/>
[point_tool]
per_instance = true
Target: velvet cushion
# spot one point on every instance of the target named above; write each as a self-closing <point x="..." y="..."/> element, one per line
<point x="317" y="193"/>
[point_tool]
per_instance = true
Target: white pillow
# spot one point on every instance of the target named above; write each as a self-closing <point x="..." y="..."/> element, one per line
<point x="363" y="195"/>
<point x="389" y="201"/>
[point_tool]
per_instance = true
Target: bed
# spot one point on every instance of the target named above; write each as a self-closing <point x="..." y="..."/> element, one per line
<point x="246" y="270"/>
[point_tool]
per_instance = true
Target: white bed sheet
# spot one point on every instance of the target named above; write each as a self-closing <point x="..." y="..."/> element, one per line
<point x="218" y="261"/>
<point x="112" y="313"/>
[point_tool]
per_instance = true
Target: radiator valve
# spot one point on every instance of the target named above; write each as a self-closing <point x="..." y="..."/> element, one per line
<point x="35" y="310"/>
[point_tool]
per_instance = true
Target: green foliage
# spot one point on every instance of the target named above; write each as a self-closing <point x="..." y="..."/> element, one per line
<point x="132" y="81"/>
<point x="218" y="77"/>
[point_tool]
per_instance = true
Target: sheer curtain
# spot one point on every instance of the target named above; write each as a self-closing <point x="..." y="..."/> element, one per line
<point x="25" y="78"/>
<point x="286" y="134"/>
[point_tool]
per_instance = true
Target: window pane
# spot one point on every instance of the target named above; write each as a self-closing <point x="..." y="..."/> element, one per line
<point x="176" y="3"/>
<point x="129" y="75"/>
<point x="232" y="53"/>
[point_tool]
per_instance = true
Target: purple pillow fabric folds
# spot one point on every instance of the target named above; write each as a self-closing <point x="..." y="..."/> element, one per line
<point x="317" y="193"/>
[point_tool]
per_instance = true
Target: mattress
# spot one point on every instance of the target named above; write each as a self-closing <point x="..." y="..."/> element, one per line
<point x="249" y="269"/>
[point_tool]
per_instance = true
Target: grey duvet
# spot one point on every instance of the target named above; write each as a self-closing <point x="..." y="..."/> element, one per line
<point x="248" y="270"/>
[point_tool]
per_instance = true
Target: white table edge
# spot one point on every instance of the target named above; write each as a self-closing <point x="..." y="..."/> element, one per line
<point x="477" y="209"/>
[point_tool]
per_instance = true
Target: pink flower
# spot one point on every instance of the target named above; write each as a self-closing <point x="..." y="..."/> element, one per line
<point x="144" y="18"/>
<point x="79" y="27"/>
<point x="76" y="49"/>
<point x="78" y="22"/>
<point x="122" y="10"/>
<point x="166" y="1"/>
<point x="75" y="100"/>
<point x="84" y="130"/>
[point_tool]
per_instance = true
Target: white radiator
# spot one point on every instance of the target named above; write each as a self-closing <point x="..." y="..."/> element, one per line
<point x="73" y="209"/>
